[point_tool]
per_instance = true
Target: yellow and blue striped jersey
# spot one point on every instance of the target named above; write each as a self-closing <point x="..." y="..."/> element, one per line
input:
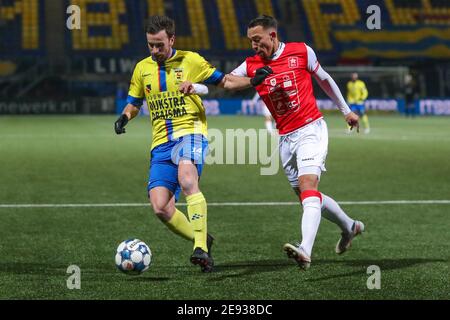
<point x="172" y="113"/>
<point x="356" y="92"/>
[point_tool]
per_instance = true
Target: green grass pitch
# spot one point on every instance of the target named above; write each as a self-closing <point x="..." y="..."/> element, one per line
<point x="78" y="159"/>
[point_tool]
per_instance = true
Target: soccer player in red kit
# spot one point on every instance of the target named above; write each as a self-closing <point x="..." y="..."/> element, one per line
<point x="281" y="74"/>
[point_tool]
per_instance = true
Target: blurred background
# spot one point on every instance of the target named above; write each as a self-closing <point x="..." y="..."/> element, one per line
<point x="46" y="67"/>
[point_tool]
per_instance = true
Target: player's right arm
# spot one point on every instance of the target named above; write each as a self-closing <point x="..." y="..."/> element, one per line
<point x="130" y="111"/>
<point x="188" y="88"/>
<point x="239" y="80"/>
<point x="204" y="72"/>
<point x="134" y="101"/>
<point x="232" y="82"/>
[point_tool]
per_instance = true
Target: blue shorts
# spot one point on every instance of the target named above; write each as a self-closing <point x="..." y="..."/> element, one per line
<point x="359" y="109"/>
<point x="164" y="161"/>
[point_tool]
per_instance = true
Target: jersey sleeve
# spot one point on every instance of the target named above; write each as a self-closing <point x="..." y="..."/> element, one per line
<point x="136" y="91"/>
<point x="240" y="71"/>
<point x="203" y="71"/>
<point x="313" y="63"/>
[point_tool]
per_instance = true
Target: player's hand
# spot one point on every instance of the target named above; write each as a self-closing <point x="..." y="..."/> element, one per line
<point x="352" y="120"/>
<point x="119" y="125"/>
<point x="260" y="75"/>
<point x="186" y="87"/>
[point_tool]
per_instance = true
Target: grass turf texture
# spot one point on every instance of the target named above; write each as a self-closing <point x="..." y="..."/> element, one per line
<point x="79" y="159"/>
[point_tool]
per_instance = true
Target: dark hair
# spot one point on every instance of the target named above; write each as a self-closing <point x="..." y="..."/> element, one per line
<point x="155" y="24"/>
<point x="264" y="21"/>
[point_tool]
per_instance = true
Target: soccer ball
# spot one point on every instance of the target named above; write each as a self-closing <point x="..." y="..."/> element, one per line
<point x="133" y="257"/>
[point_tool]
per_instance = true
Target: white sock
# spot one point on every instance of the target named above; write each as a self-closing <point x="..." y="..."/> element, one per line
<point x="269" y="126"/>
<point x="310" y="222"/>
<point x="333" y="212"/>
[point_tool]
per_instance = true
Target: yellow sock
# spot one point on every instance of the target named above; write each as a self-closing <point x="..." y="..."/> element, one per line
<point x="180" y="225"/>
<point x="365" y="120"/>
<point x="196" y="206"/>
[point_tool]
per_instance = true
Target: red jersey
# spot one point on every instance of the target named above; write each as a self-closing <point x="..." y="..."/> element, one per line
<point x="288" y="92"/>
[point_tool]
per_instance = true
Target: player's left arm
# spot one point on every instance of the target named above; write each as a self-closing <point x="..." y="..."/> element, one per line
<point x="201" y="72"/>
<point x="238" y="79"/>
<point x="189" y="88"/>
<point x="330" y="87"/>
<point x="205" y="73"/>
<point x="232" y="82"/>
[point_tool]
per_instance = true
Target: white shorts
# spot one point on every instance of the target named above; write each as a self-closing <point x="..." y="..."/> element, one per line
<point x="304" y="151"/>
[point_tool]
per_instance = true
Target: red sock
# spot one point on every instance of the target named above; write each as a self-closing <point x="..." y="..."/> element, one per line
<point x="310" y="193"/>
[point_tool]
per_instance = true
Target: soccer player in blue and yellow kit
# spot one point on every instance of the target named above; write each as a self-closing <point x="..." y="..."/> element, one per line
<point x="179" y="132"/>
<point x="356" y="95"/>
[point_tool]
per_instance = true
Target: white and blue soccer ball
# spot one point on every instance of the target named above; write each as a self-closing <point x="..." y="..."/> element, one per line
<point x="133" y="257"/>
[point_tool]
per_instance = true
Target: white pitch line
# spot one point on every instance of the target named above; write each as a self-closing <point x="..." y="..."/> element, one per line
<point x="214" y="204"/>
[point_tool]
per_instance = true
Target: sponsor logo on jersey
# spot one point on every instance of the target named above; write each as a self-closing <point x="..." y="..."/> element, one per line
<point x="166" y="105"/>
<point x="283" y="93"/>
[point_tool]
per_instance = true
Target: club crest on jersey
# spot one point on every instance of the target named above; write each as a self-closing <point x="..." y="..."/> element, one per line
<point x="273" y="82"/>
<point x="293" y="62"/>
<point x="178" y="74"/>
<point x="148" y="88"/>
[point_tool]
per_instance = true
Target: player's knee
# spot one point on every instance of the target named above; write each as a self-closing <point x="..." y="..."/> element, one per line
<point x="308" y="182"/>
<point x="189" y="185"/>
<point x="190" y="189"/>
<point x="307" y="186"/>
<point x="161" y="208"/>
<point x="163" y="213"/>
